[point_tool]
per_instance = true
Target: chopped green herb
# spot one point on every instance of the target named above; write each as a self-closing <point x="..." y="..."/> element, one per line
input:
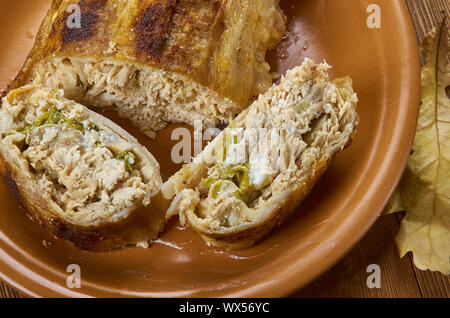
<point x="128" y="158"/>
<point x="24" y="131"/>
<point x="232" y="123"/>
<point x="92" y="126"/>
<point x="75" y="123"/>
<point x="239" y="175"/>
<point x="55" y="92"/>
<point x="301" y="107"/>
<point x="52" y="116"/>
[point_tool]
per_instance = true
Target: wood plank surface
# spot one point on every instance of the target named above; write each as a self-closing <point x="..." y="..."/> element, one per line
<point x="349" y="277"/>
<point x="399" y="277"/>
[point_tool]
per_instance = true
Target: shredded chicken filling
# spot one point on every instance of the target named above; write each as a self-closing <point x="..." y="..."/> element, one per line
<point x="150" y="98"/>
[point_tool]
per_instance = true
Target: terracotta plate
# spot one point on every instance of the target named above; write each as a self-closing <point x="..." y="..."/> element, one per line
<point x="384" y="65"/>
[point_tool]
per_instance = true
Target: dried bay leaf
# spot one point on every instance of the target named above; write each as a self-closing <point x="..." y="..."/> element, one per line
<point x="424" y="191"/>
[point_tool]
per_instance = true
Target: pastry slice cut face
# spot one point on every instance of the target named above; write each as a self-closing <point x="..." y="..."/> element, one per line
<point x="77" y="173"/>
<point x="157" y="61"/>
<point x="258" y="170"/>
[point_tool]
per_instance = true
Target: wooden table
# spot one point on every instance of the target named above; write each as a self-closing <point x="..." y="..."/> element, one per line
<point x="399" y="277"/>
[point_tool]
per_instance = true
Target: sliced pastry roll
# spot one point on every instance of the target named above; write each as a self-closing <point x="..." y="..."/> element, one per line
<point x="258" y="170"/>
<point x="77" y="173"/>
<point x="157" y="61"/>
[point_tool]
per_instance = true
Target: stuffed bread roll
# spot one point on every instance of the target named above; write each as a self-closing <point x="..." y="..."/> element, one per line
<point x="157" y="61"/>
<point x="239" y="188"/>
<point x="77" y="173"/>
